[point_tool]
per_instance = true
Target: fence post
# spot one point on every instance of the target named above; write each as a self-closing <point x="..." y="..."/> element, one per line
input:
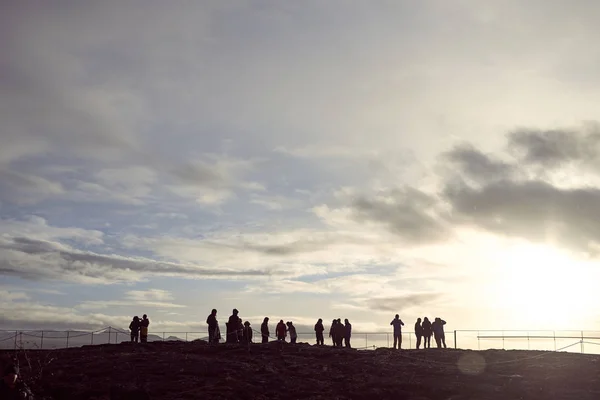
<point x="16" y="334"/>
<point x="186" y="337"/>
<point x="387" y="335"/>
<point x="502" y="340"/>
<point x="366" y="340"/>
<point x="67" y="339"/>
<point x="554" y="336"/>
<point x="581" y="342"/>
<point x="42" y="342"/>
<point x="109" y="333"/>
<point x="92" y="340"/>
<point x="478" y="342"/>
<point x="21" y="339"/>
<point x="409" y="340"/>
<point x="163" y="336"/>
<point x="528" y="346"/>
<point x="455" y="345"/>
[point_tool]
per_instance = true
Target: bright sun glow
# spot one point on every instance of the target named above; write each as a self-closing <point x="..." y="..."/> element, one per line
<point x="544" y="287"/>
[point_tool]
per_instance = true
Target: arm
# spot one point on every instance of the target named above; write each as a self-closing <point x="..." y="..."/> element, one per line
<point x="401" y="323"/>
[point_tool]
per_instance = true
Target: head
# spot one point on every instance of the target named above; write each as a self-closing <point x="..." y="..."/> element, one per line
<point x="339" y="320"/>
<point x="266" y="319"/>
<point x="346" y="321"/>
<point x="334" y="321"/>
<point x="214" y="311"/>
<point x="11" y="373"/>
<point x="425" y="319"/>
<point x="397" y="316"/>
<point x="281" y="321"/>
<point x="418" y="320"/>
<point x="246" y="323"/>
<point x="136" y="318"/>
<point x="320" y="321"/>
<point x="235" y="311"/>
<point x="437" y="319"/>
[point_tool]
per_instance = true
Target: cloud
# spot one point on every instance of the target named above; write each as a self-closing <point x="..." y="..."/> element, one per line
<point x="155" y="298"/>
<point x="401" y="304"/>
<point x="23" y="188"/>
<point x="407" y="212"/>
<point x="556" y="147"/>
<point x="39" y="260"/>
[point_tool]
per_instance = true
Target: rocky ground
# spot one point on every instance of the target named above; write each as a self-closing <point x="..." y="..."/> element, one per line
<point x="175" y="370"/>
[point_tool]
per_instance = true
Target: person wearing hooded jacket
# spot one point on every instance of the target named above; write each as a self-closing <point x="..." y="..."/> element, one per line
<point x="280" y="331"/>
<point x="213" y="327"/>
<point x="247" y="333"/>
<point x="319" y="329"/>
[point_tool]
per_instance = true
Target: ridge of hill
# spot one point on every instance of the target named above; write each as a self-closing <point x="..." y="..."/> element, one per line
<point x="194" y="370"/>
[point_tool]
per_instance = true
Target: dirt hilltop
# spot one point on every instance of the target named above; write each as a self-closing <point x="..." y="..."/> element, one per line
<point x="193" y="370"/>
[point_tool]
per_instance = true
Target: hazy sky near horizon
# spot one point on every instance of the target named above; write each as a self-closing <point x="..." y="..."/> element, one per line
<point x="300" y="160"/>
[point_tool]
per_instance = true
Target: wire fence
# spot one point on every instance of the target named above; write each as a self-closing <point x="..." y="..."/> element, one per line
<point x="587" y="341"/>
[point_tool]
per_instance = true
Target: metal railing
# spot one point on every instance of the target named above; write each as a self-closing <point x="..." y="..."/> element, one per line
<point x="465" y="339"/>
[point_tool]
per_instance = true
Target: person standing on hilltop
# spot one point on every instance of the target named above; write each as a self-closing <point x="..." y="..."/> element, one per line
<point x="347" y="333"/>
<point x="213" y="327"/>
<point x="134" y="327"/>
<point x="397" y="324"/>
<point x="426" y="333"/>
<point x="333" y="332"/>
<point x="247" y="333"/>
<point x="438" y="332"/>
<point x="144" y="323"/>
<point x="264" y="330"/>
<point x="292" y="330"/>
<point x="280" y="331"/>
<point x="341" y="332"/>
<point x="319" y="329"/>
<point x="418" y="332"/>
<point x="233" y="327"/>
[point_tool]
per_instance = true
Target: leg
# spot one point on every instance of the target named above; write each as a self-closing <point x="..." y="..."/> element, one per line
<point x="444" y="341"/>
<point x="395" y="341"/>
<point x="399" y="341"/>
<point x="132" y="337"/>
<point x="418" y="341"/>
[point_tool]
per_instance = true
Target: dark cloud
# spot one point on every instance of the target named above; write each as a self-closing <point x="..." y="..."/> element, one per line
<point x="198" y="174"/>
<point x="477" y="166"/>
<point x="533" y="210"/>
<point x="38" y="260"/>
<point x="400" y="303"/>
<point x="553" y="148"/>
<point x="407" y="212"/>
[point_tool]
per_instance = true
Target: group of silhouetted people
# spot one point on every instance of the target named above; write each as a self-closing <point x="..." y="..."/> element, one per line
<point x="426" y="329"/>
<point x="139" y="329"/>
<point x="340" y="333"/>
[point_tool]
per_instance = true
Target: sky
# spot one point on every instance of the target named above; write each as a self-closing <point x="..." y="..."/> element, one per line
<point x="300" y="160"/>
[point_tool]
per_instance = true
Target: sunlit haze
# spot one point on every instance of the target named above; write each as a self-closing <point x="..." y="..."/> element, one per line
<point x="300" y="160"/>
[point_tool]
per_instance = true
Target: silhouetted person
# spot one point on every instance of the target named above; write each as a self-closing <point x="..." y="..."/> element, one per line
<point x="319" y="329"/>
<point x="333" y="332"/>
<point x="213" y="327"/>
<point x="397" y="324"/>
<point x="426" y="333"/>
<point x="292" y="330"/>
<point x="13" y="388"/>
<point x="234" y="326"/>
<point x="341" y="331"/>
<point x="264" y="330"/>
<point x="438" y="332"/>
<point x="418" y="332"/>
<point x="347" y="333"/>
<point x="134" y="327"/>
<point x="247" y="333"/>
<point x="144" y="323"/>
<point x="280" y="331"/>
